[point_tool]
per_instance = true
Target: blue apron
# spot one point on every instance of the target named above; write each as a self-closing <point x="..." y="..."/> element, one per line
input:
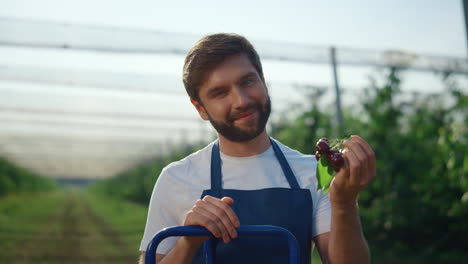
<point x="290" y="208"/>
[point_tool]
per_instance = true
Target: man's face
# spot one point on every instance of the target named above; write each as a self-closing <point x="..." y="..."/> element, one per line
<point x="235" y="99"/>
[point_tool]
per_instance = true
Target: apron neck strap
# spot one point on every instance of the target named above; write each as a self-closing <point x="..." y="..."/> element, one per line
<point x="216" y="176"/>
<point x="216" y="171"/>
<point x="285" y="166"/>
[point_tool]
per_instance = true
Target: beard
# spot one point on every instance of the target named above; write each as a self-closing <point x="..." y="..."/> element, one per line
<point x="234" y="133"/>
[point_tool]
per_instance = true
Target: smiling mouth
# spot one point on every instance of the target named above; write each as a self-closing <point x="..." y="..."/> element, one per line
<point x="246" y="115"/>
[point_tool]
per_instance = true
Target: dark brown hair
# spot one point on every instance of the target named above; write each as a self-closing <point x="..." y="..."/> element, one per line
<point x="209" y="52"/>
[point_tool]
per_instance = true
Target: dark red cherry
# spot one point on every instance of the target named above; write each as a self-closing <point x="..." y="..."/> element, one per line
<point x="322" y="147"/>
<point x="337" y="160"/>
<point x="317" y="155"/>
<point x="331" y="153"/>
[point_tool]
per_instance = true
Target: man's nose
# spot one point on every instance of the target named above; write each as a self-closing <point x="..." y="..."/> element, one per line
<point x="241" y="97"/>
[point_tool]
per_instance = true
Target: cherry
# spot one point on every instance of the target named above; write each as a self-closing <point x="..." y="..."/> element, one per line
<point x="331" y="153"/>
<point x="337" y="160"/>
<point x="325" y="139"/>
<point x="322" y="147"/>
<point x="317" y="155"/>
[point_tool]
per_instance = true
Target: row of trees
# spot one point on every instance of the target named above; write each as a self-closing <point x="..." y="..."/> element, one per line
<point x="14" y="179"/>
<point x="417" y="207"/>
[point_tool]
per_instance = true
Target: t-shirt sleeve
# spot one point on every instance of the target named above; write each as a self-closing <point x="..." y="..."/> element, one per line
<point x="160" y="214"/>
<point x="321" y="214"/>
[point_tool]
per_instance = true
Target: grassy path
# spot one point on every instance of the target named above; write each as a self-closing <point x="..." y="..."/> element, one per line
<point x="67" y="231"/>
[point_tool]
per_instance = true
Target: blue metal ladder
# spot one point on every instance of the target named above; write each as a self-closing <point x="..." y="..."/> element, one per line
<point x="257" y="230"/>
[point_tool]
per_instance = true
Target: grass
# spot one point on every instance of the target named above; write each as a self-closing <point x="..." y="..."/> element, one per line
<point x="62" y="227"/>
<point x="316" y="257"/>
<point x="127" y="218"/>
<point x="22" y="215"/>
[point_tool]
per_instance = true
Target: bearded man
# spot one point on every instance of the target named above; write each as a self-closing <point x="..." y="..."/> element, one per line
<point x="246" y="177"/>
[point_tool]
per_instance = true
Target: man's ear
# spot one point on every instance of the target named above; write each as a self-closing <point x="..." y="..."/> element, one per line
<point x="200" y="109"/>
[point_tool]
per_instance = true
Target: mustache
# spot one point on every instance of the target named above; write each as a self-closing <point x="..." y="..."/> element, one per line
<point x="238" y="113"/>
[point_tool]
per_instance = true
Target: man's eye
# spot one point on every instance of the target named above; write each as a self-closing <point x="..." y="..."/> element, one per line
<point x="247" y="82"/>
<point x="219" y="93"/>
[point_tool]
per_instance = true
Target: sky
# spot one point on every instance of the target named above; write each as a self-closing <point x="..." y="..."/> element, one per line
<point x="421" y="26"/>
<point x="76" y="113"/>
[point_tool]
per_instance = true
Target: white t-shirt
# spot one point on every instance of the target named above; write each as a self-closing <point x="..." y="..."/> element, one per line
<point x="181" y="184"/>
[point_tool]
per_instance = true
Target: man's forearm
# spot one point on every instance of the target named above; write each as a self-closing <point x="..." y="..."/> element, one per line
<point x="347" y="242"/>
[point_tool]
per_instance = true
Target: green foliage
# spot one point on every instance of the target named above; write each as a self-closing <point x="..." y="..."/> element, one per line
<point x="417" y="196"/>
<point x="14" y="179"/>
<point x="311" y="124"/>
<point x="324" y="174"/>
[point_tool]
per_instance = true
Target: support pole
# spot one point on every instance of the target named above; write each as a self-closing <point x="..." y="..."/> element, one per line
<point x="339" y="112"/>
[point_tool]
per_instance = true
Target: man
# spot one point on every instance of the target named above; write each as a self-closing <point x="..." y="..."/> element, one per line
<point x="247" y="178"/>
